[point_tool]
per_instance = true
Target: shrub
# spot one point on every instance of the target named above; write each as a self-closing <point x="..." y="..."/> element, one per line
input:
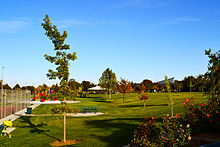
<point x="148" y="134"/>
<point x="171" y="133"/>
<point x="174" y="132"/>
<point x="204" y="115"/>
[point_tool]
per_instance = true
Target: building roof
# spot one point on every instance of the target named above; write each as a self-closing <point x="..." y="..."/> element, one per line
<point x="96" y="88"/>
<point x="171" y="80"/>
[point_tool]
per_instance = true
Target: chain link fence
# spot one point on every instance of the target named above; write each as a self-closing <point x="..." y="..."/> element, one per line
<point x="12" y="101"/>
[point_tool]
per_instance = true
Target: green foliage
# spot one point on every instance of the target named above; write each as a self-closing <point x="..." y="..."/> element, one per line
<point x="213" y="75"/>
<point x="170" y="98"/>
<point x="86" y="85"/>
<point x="62" y="58"/>
<point x="74" y="86"/>
<point x="64" y="108"/>
<point x="108" y="80"/>
<point x="81" y="92"/>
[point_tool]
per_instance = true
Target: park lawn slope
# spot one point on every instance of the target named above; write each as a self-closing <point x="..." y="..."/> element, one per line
<point x="114" y="128"/>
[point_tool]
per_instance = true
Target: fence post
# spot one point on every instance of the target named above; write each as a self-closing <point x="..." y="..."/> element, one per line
<point x="2" y="103"/>
<point x="5" y="103"/>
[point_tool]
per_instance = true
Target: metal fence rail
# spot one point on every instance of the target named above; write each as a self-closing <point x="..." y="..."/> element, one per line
<point x="12" y="101"/>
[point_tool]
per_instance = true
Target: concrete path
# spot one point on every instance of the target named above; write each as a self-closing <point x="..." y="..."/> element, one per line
<point x="53" y="102"/>
<point x="13" y="117"/>
<point x="68" y="114"/>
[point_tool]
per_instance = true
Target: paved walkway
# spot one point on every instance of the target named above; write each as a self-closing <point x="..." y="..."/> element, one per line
<point x="13" y="117"/>
<point x="53" y="102"/>
<point x="68" y="114"/>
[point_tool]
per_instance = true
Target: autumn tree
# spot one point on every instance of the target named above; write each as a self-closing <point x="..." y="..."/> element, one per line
<point x="155" y="88"/>
<point x="144" y="96"/>
<point x="142" y="88"/>
<point x="108" y="80"/>
<point x="61" y="60"/>
<point x="124" y="87"/>
<point x="148" y="84"/>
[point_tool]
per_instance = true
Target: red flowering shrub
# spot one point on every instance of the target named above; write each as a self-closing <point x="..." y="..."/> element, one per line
<point x="147" y="134"/>
<point x="171" y="133"/>
<point x="200" y="116"/>
<point x="175" y="133"/>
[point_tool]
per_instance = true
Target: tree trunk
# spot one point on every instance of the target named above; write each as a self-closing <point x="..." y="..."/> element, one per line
<point x="109" y="94"/>
<point x="144" y="103"/>
<point x="64" y="127"/>
<point x="172" y="110"/>
<point x="123" y="98"/>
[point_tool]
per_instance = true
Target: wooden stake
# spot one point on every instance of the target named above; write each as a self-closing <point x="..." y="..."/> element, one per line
<point x="64" y="127"/>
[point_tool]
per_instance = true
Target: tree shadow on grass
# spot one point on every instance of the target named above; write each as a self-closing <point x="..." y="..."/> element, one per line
<point x="121" y="130"/>
<point x="35" y="128"/>
<point x="140" y="105"/>
<point x="2" y="144"/>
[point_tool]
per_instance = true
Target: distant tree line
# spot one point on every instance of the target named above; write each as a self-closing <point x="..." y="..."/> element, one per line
<point x="188" y="84"/>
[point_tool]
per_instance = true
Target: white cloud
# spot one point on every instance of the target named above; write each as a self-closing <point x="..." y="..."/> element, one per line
<point x="12" y="26"/>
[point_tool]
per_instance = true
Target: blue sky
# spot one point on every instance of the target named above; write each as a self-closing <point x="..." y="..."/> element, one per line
<point x="137" y="39"/>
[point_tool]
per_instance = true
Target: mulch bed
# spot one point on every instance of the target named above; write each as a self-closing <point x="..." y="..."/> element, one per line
<point x="61" y="143"/>
<point x="205" y="138"/>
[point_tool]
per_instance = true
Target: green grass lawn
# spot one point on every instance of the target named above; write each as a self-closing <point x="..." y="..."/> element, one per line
<point x="114" y="128"/>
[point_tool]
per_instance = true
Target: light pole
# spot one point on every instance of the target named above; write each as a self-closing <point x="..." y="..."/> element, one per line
<point x="2" y="76"/>
<point x="2" y="94"/>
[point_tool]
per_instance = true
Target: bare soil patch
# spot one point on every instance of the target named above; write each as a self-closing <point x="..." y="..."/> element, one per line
<point x="62" y="143"/>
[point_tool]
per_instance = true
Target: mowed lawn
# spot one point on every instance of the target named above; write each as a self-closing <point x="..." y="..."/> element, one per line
<point x="114" y="128"/>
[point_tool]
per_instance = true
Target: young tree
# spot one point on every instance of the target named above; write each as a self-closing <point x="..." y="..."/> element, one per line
<point x="124" y="87"/>
<point x="144" y="96"/>
<point x="61" y="59"/>
<point x="108" y="80"/>
<point x="170" y="99"/>
<point x="142" y="88"/>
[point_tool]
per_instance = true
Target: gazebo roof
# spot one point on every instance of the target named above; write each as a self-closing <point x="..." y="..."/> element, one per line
<point x="96" y="88"/>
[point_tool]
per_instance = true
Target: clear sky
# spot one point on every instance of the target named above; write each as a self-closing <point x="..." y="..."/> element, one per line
<point x="137" y="39"/>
